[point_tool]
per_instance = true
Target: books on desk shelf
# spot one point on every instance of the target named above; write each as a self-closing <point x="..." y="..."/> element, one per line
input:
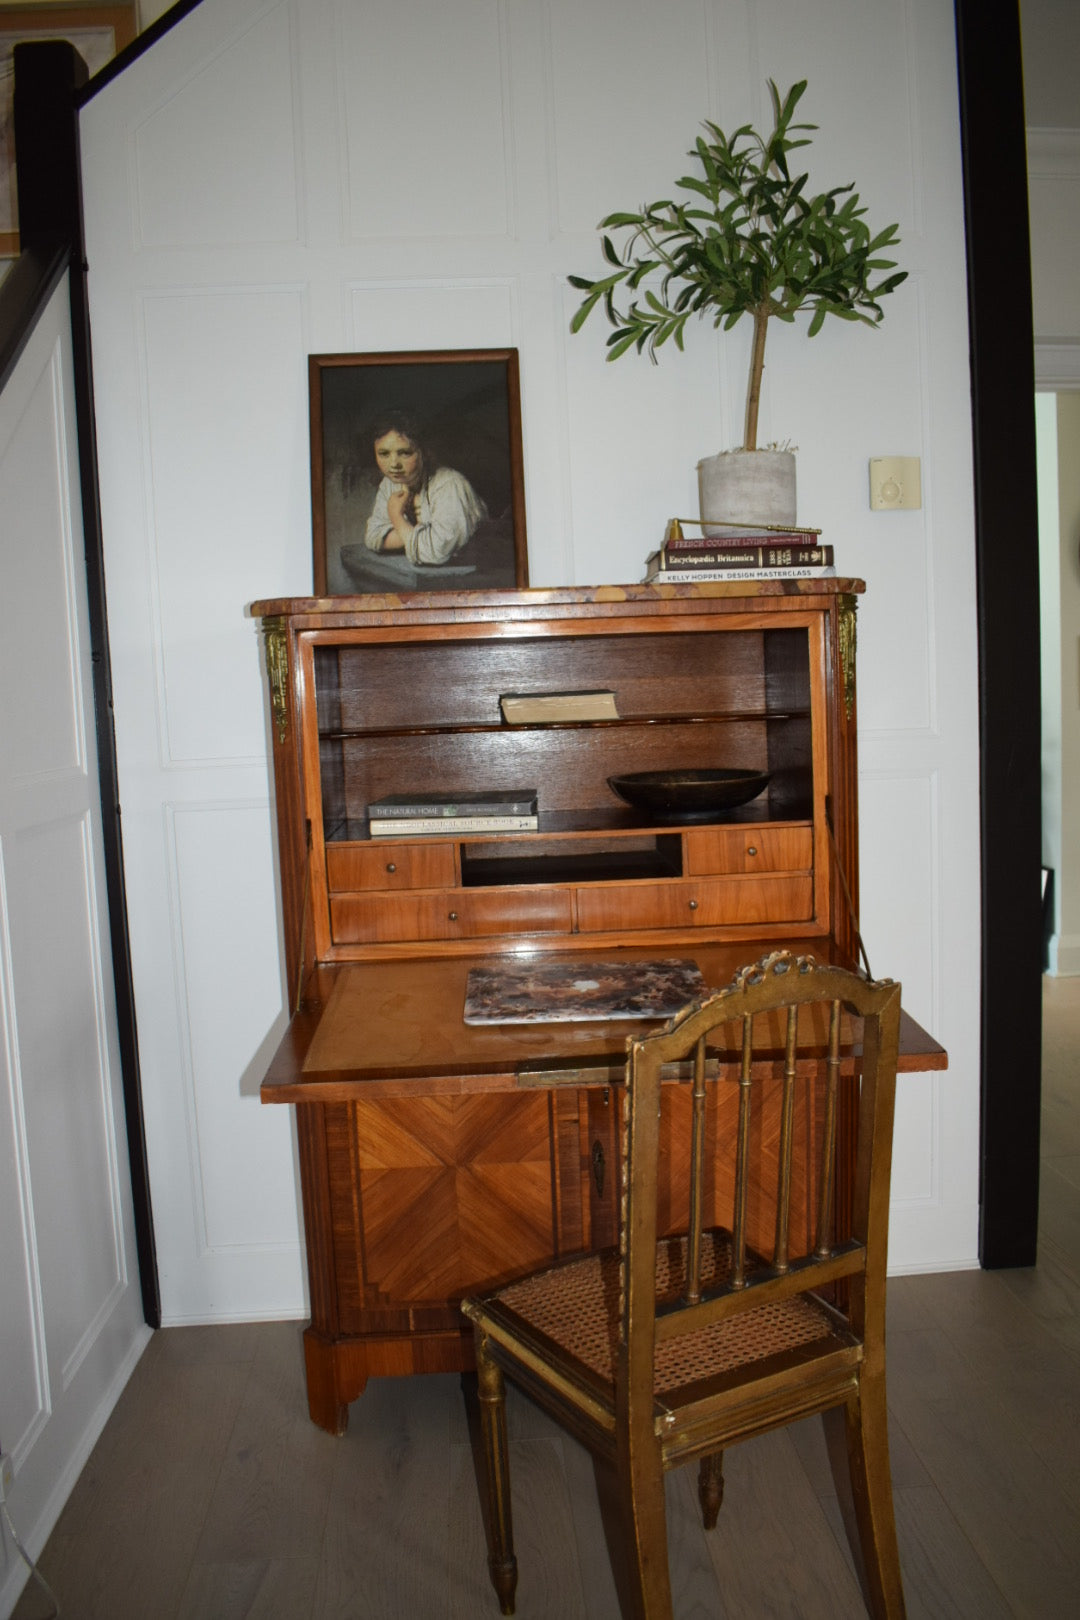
<point x="750" y="552"/>
<point x="427" y="806"/>
<point x="545" y="992"/>
<point x="546" y="708"/>
<point x="427" y="826"/>
<point x="421" y="814"/>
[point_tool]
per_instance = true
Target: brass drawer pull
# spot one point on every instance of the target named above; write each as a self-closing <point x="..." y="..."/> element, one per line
<point x="453" y="916"/>
<point x="751" y="849"/>
<point x="391" y="866"/>
<point x="693" y="905"/>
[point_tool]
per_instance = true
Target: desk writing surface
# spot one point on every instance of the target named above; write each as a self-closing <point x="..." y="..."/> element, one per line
<point x="388" y="1025"/>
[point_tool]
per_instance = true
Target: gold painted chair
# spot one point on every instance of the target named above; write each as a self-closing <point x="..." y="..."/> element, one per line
<point x="673" y="1347"/>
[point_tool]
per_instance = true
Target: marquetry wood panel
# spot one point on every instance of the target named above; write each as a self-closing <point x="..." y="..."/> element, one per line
<point x="436" y="1195"/>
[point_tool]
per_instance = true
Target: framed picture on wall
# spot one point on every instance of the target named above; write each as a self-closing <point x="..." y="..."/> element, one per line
<point x="97" y="33"/>
<point x="416" y="471"/>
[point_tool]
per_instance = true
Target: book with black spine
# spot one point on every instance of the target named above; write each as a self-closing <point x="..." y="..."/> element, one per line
<point x="429" y="806"/>
<point x="723" y="556"/>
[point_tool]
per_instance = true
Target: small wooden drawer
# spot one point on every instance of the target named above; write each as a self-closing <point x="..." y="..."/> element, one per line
<point x="749" y="849"/>
<point x="377" y="919"/>
<point x="714" y="903"/>
<point x="389" y="866"/>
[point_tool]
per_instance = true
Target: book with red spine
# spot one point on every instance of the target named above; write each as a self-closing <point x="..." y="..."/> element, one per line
<point x="738" y="533"/>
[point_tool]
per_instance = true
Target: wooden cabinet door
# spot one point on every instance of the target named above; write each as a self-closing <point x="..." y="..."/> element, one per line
<point x="435" y="1196"/>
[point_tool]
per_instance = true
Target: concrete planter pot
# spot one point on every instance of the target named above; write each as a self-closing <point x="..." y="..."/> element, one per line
<point x="747" y="487"/>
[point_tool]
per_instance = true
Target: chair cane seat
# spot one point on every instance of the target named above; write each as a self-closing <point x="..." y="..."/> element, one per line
<point x="576" y="1305"/>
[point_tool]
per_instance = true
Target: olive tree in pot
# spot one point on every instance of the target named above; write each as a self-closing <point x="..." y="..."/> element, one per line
<point x="746" y="241"/>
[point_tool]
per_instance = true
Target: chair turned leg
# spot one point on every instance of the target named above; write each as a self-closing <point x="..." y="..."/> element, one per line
<point x="500" y="1530"/>
<point x="710" y="1487"/>
<point x="869" y="1499"/>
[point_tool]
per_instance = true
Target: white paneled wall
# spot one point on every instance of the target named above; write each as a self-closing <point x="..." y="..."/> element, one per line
<point x="71" y="1322"/>
<point x="284" y="177"/>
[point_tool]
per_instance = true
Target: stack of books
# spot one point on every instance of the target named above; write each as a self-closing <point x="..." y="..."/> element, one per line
<point x="420" y="814"/>
<point x="755" y="553"/>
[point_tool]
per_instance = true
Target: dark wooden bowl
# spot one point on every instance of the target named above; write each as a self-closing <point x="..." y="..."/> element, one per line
<point x="688" y="795"/>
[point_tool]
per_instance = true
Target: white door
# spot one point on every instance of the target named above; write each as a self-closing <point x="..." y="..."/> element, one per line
<point x="71" y="1323"/>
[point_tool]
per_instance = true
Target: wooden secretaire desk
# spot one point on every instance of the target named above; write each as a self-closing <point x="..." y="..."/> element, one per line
<point x="438" y="1157"/>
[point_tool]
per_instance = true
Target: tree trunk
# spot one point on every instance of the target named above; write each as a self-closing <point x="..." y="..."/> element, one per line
<point x="757" y="366"/>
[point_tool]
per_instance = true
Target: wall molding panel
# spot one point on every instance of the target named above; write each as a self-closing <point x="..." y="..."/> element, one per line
<point x="402" y="131"/>
<point x="459" y="312"/>
<point x="203" y="839"/>
<point x="193" y="163"/>
<point x="237" y="348"/>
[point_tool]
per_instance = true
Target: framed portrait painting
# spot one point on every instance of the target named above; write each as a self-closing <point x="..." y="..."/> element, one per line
<point x="416" y="471"/>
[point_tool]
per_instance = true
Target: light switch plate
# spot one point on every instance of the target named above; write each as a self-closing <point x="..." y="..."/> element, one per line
<point x="895" y="483"/>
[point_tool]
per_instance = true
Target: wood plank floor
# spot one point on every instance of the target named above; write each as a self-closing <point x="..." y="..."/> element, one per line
<point x="211" y="1496"/>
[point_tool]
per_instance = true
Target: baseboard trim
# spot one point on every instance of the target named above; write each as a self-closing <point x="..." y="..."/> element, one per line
<point x="1063" y="956"/>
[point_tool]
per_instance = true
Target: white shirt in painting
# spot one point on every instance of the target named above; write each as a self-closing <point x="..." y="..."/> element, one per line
<point x="448" y="512"/>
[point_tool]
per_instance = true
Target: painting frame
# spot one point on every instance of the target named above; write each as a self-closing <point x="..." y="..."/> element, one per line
<point x="463" y="526"/>
<point x="98" y="32"/>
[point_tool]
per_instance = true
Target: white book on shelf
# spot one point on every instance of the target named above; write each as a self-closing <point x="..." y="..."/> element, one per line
<point x="727" y="576"/>
<point x="427" y="826"/>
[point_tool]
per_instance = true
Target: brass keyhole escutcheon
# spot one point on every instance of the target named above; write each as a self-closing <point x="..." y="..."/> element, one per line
<point x="598" y="1167"/>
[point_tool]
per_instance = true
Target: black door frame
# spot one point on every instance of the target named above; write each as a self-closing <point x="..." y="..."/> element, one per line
<point x="990" y="75"/>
